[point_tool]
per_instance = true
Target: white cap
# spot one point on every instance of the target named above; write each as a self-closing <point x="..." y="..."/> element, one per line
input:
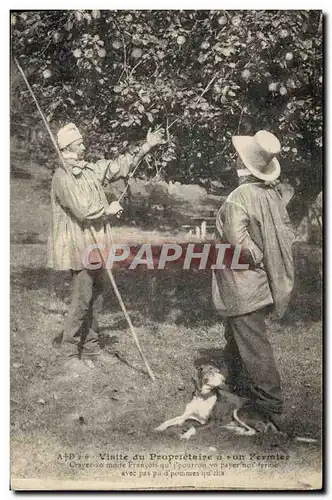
<point x="67" y="135"/>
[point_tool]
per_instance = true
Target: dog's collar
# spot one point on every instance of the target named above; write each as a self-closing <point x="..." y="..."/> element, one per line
<point x="212" y="392"/>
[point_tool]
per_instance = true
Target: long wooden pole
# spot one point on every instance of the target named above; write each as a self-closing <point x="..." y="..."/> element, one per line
<point x="109" y="272"/>
<point x="42" y="115"/>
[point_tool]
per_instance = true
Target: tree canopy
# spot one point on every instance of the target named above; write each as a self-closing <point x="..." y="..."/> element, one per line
<point x="213" y="73"/>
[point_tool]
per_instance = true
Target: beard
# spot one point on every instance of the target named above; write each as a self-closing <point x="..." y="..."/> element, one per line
<point x="80" y="155"/>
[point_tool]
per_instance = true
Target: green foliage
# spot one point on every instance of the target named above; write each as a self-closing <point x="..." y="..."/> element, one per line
<point x="117" y="73"/>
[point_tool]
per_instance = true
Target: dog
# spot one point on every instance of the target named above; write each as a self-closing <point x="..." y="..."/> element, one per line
<point x="204" y="399"/>
<point x="211" y="397"/>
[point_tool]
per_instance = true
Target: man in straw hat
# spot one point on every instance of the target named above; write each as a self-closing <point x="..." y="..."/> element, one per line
<point x="81" y="219"/>
<point x="255" y="217"/>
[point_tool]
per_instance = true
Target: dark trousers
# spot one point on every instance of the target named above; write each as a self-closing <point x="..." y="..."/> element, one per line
<point x="249" y="358"/>
<point x="80" y="337"/>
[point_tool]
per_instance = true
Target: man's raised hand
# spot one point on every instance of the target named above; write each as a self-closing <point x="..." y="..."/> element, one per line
<point x="155" y="138"/>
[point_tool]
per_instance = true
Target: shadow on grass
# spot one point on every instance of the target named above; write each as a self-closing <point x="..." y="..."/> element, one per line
<point x="183" y="298"/>
<point x="40" y="278"/>
<point x="44" y="188"/>
<point x="26" y="238"/>
<point x="18" y="173"/>
<point x="180" y="296"/>
<point x="306" y="300"/>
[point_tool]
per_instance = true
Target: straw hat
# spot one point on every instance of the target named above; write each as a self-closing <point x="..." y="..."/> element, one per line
<point x="67" y="135"/>
<point x="258" y="153"/>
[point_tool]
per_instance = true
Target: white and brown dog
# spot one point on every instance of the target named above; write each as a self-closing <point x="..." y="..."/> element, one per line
<point x="204" y="399"/>
<point x="209" y="386"/>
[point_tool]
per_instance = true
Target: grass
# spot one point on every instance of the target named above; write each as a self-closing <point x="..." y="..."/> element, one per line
<point x="118" y="410"/>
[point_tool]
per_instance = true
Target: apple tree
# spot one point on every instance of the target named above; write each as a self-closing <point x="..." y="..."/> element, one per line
<point x="202" y="75"/>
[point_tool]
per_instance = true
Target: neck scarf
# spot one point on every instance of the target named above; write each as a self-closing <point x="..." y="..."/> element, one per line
<point x="243" y="172"/>
<point x="72" y="160"/>
<point x="251" y="179"/>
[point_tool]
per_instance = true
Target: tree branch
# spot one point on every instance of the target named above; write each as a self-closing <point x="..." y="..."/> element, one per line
<point x="125" y="70"/>
<point x="136" y="65"/>
<point x="240" y="120"/>
<point x="198" y="99"/>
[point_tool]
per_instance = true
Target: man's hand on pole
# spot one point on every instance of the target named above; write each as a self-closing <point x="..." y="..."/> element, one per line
<point x="152" y="139"/>
<point x="114" y="209"/>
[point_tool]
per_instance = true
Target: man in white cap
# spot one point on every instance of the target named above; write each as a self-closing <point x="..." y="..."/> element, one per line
<point x="255" y="217"/>
<point x="81" y="218"/>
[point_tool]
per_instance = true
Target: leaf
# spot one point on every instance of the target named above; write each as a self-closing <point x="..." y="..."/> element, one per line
<point x="78" y="16"/>
<point x="69" y="25"/>
<point x="96" y="14"/>
<point x="145" y="98"/>
<point x="117" y="89"/>
<point x="140" y="108"/>
<point x="202" y="58"/>
<point x="88" y="53"/>
<point x="290" y="83"/>
<point x="236" y="21"/>
<point x="307" y="44"/>
<point x="225" y="51"/>
<point x="87" y="17"/>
